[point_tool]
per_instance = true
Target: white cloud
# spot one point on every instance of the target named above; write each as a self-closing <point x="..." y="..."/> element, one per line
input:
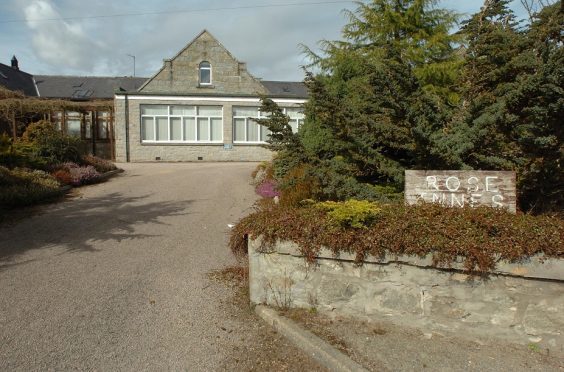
<point x="266" y="38"/>
<point x="61" y="43"/>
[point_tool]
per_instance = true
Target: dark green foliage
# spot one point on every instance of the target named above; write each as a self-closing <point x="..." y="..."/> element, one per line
<point x="480" y="236"/>
<point x="377" y="101"/>
<point x="513" y="104"/>
<point x="402" y="92"/>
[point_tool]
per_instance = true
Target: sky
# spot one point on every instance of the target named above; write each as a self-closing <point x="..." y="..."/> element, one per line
<point x="96" y="37"/>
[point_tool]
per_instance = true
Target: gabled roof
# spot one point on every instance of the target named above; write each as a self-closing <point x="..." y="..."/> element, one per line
<point x="282" y="89"/>
<point x="17" y="80"/>
<point x="85" y="87"/>
<point x="203" y="33"/>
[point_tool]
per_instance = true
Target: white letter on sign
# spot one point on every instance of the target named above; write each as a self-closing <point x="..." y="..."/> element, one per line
<point x="432" y="181"/>
<point x="474" y="183"/>
<point x="496" y="200"/>
<point x="447" y="183"/>
<point x="488" y="178"/>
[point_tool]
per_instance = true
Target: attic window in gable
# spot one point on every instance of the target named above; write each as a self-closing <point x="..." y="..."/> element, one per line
<point x="205" y="72"/>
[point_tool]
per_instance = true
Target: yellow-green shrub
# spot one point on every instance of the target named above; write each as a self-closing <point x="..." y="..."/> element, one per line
<point x="351" y="213"/>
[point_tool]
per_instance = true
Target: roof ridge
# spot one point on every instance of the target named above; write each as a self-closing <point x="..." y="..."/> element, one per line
<point x="16" y="70"/>
<point x="94" y="76"/>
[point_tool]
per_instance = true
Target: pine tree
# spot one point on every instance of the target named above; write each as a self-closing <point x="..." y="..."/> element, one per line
<point x="535" y="101"/>
<point x="397" y="57"/>
<point x="482" y="136"/>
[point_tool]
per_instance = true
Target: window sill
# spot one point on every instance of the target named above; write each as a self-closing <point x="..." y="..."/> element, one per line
<point x="206" y="86"/>
<point x="182" y="143"/>
<point x="250" y="143"/>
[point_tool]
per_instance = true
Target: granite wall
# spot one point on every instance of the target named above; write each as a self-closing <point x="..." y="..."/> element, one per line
<point x="522" y="303"/>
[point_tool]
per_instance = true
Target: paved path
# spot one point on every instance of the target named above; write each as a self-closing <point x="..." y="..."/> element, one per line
<point x="115" y="279"/>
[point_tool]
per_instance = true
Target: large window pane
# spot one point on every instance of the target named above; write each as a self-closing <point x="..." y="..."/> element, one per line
<point x="239" y="128"/>
<point x="147" y="129"/>
<point x="210" y="111"/>
<point x="162" y="129"/>
<point x="102" y="129"/>
<point x="203" y="129"/>
<point x="73" y="127"/>
<point x="295" y="113"/>
<point x="176" y="129"/>
<point x="294" y="125"/>
<point x="245" y="111"/>
<point x="183" y="110"/>
<point x="189" y="129"/>
<point x="252" y="131"/>
<point x="264" y="134"/>
<point x="216" y="129"/>
<point x="154" y="110"/>
<point x="88" y="126"/>
<point x="57" y="119"/>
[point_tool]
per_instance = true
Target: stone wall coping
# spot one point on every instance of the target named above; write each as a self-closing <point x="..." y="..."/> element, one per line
<point x="535" y="267"/>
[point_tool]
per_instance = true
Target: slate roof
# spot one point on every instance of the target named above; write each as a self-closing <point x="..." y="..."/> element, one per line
<point x="17" y="80"/>
<point x="85" y="87"/>
<point x="282" y="89"/>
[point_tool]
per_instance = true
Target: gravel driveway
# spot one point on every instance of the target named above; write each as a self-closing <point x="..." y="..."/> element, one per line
<point x="116" y="277"/>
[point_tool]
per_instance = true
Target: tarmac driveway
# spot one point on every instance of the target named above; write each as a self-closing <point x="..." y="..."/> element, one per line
<point x="116" y="277"/>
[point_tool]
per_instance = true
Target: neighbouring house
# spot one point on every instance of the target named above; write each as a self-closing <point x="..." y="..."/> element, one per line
<point x="199" y="106"/>
<point x="12" y="78"/>
<point x="93" y="119"/>
<point x="80" y="106"/>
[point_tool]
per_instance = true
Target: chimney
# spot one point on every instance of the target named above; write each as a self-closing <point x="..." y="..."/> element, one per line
<point x="15" y="63"/>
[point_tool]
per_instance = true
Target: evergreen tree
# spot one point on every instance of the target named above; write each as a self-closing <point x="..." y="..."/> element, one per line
<point x="397" y="59"/>
<point x="535" y="102"/>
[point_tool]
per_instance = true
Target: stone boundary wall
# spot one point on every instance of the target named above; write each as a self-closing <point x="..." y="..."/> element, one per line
<point x="521" y="303"/>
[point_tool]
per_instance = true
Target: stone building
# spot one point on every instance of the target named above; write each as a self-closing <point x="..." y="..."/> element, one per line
<point x="199" y="106"/>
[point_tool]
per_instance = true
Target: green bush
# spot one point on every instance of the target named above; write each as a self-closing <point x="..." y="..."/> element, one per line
<point x="480" y="236"/>
<point x="48" y="142"/>
<point x="351" y="213"/>
<point x="22" y="186"/>
<point x="23" y="155"/>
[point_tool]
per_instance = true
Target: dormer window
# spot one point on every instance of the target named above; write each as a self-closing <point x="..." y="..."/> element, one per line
<point x="205" y="73"/>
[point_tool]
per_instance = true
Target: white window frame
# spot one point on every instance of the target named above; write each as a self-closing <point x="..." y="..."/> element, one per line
<point x="298" y="122"/>
<point x="182" y="118"/>
<point x="208" y="68"/>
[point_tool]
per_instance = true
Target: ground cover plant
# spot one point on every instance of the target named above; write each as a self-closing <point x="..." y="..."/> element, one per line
<point x="481" y="237"/>
<point x="22" y="186"/>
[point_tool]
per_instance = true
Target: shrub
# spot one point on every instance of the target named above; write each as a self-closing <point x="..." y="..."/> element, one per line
<point x="101" y="165"/>
<point x="480" y="236"/>
<point x="297" y="186"/>
<point x="63" y="176"/>
<point x="51" y="143"/>
<point x="25" y="187"/>
<point x="18" y="154"/>
<point x="83" y="175"/>
<point x="79" y="175"/>
<point x="351" y="213"/>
